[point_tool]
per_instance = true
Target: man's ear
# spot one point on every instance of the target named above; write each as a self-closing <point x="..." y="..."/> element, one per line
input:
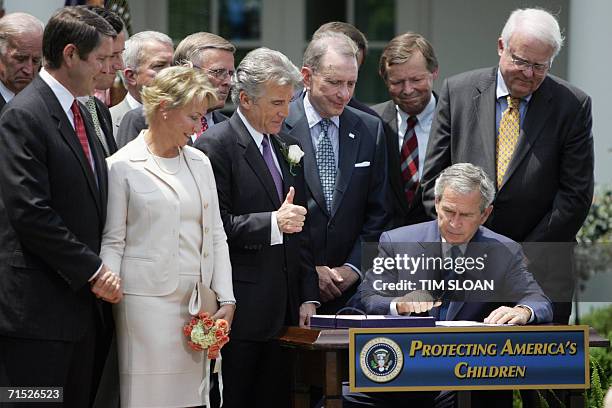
<point x="70" y="53"/>
<point x="500" y="46"/>
<point x="307" y="77"/>
<point x="245" y="101"/>
<point x="485" y="214"/>
<point x="130" y="76"/>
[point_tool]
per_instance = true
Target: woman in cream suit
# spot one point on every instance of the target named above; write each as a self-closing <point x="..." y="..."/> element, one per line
<point x="164" y="234"/>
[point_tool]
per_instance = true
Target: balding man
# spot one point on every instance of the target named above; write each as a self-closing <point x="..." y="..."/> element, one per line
<point x="20" y="53"/>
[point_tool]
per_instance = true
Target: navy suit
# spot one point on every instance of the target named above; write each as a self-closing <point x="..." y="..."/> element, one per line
<point x="358" y="210"/>
<point x="504" y="264"/>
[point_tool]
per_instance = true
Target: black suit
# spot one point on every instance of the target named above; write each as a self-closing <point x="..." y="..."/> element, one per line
<point x="106" y="124"/>
<point x="2" y="102"/>
<point x="134" y="121"/>
<point x="358" y="212"/>
<point x="270" y="281"/>
<point x="401" y="213"/>
<point x="548" y="187"/>
<point x="52" y="213"/>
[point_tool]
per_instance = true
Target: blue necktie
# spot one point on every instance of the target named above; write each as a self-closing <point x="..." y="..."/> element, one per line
<point x="448" y="274"/>
<point x="326" y="163"/>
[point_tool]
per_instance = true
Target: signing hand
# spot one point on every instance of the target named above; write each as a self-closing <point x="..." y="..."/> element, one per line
<point x="509" y="315"/>
<point x="416" y="302"/>
<point x="225" y="312"/>
<point x="107" y="286"/>
<point x="306" y="310"/>
<point x="290" y="217"/>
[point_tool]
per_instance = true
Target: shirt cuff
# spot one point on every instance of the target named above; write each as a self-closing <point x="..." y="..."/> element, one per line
<point x="532" y="318"/>
<point x="313" y="302"/>
<point x="393" y="309"/>
<point x="357" y="271"/>
<point x="276" y="236"/>
<point x="95" y="275"/>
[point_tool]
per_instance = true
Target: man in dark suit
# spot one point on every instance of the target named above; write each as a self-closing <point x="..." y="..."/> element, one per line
<point x="409" y="66"/>
<point x="361" y="41"/>
<point x="20" y="53"/>
<point x="531" y="132"/>
<point x="261" y="191"/>
<point x="99" y="112"/>
<point x="344" y="165"/>
<point x="54" y="184"/>
<point x="463" y="197"/>
<point x="202" y="50"/>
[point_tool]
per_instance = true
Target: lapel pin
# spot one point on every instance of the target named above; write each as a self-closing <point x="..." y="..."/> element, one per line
<point x="352" y="136"/>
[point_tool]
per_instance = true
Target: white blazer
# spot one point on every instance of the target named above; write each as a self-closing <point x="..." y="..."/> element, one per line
<point x="141" y="235"/>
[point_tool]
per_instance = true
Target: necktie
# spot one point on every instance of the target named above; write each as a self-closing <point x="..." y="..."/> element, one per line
<point x="91" y="107"/>
<point x="509" y="129"/>
<point x="409" y="160"/>
<point x="267" y="155"/>
<point x="79" y="127"/>
<point x="449" y="274"/>
<point x="204" y="125"/>
<point x="326" y="163"/>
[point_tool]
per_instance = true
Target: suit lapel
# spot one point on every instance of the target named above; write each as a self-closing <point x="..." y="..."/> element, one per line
<point x="288" y="179"/>
<point x="389" y="117"/>
<point x="484" y="105"/>
<point x="70" y="137"/>
<point x="348" y="147"/>
<point x="253" y="157"/>
<point x="297" y="125"/>
<point x="538" y="111"/>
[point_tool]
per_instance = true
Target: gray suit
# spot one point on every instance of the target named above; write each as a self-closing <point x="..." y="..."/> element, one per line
<point x="117" y="112"/>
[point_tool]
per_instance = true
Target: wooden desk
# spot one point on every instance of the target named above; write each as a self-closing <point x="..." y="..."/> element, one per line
<point x="322" y="360"/>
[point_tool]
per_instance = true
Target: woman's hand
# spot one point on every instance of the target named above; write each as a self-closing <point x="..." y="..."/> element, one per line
<point x="225" y="312"/>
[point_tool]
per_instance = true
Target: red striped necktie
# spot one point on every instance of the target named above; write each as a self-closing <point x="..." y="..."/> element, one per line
<point x="409" y="160"/>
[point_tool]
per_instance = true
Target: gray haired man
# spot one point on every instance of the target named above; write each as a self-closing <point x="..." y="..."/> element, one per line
<point x="261" y="190"/>
<point x="20" y="53"/>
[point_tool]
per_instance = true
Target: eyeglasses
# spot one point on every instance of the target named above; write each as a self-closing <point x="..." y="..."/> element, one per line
<point x="218" y="73"/>
<point x="524" y="65"/>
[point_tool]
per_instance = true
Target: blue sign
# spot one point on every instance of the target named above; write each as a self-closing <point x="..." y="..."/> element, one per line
<point x="474" y="358"/>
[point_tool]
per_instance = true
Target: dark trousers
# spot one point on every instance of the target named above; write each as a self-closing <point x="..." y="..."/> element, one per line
<point x="76" y="366"/>
<point x="256" y="374"/>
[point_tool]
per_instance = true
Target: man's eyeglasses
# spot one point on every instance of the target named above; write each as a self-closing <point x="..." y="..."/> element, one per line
<point x="218" y="73"/>
<point x="524" y="65"/>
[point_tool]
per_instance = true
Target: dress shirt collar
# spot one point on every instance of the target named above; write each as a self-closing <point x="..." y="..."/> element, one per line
<point x="62" y="94"/>
<point x="255" y="134"/>
<point x="501" y="91"/>
<point x="313" y="116"/>
<point x="7" y="94"/>
<point x="446" y="247"/>
<point x="132" y="102"/>
<point x="426" y="114"/>
<point x="209" y="119"/>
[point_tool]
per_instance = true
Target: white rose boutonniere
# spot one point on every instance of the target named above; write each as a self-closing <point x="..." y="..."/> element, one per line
<point x="293" y="155"/>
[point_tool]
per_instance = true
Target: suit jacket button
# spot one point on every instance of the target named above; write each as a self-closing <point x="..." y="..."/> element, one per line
<point x="206" y="230"/>
<point x="205" y="206"/>
<point x="205" y="254"/>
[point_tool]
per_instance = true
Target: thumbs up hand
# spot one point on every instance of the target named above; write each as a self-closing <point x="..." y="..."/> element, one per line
<point x="290" y="217"/>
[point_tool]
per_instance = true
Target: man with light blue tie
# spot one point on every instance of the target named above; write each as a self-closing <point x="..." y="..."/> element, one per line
<point x="344" y="166"/>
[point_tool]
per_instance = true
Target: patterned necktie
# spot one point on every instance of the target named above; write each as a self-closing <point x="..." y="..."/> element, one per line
<point x="79" y="127"/>
<point x="409" y="160"/>
<point x="326" y="163"/>
<point x="267" y="155"/>
<point x="91" y="107"/>
<point x="509" y="130"/>
<point x="204" y="125"/>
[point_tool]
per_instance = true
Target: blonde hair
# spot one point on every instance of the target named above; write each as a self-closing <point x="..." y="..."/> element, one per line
<point x="177" y="86"/>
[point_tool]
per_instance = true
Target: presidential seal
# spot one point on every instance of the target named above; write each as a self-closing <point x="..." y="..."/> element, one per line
<point x="381" y="359"/>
